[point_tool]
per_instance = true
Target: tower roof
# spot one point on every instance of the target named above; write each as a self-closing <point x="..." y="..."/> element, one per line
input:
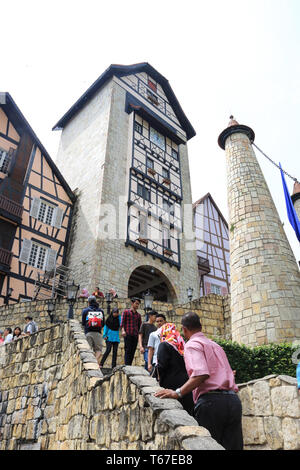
<point x="233" y="128"/>
<point x="119" y="71"/>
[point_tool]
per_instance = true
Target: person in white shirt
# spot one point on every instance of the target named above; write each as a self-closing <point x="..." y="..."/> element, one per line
<point x="154" y="342"/>
<point x="8" y="337"/>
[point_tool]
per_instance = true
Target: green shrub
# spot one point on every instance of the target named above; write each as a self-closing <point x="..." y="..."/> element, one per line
<point x="259" y="361"/>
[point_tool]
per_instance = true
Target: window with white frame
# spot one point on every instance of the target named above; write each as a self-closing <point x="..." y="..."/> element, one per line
<point x="37" y="255"/>
<point x="46" y="212"/>
<point x="215" y="289"/>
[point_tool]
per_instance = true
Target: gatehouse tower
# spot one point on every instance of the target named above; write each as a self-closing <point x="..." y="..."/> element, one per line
<point x="123" y="147"/>
<point x="265" y="279"/>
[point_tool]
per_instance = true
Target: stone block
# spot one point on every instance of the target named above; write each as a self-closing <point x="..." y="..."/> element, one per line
<point x="253" y="430"/>
<point x="201" y="443"/>
<point x="273" y="432"/>
<point x="285" y="401"/>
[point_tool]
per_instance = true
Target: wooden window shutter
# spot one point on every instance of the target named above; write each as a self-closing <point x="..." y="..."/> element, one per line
<point x="51" y="259"/>
<point x="25" y="251"/>
<point x="35" y="207"/>
<point x="57" y="217"/>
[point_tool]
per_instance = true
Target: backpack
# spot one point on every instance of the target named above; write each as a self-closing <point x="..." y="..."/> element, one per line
<point x="94" y="319"/>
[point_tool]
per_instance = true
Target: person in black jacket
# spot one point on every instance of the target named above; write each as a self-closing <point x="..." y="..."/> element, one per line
<point x="92" y="319"/>
<point x="170" y="363"/>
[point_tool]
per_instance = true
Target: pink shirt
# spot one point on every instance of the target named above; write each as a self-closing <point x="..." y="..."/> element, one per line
<point x="203" y="356"/>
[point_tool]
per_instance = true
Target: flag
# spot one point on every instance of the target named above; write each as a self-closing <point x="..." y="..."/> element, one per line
<point x="292" y="215"/>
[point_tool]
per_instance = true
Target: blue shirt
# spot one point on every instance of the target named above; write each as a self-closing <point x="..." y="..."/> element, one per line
<point x="298" y="375"/>
<point x="112" y="335"/>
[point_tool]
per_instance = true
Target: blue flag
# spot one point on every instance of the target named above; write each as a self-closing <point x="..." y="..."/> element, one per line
<point x="292" y="215"/>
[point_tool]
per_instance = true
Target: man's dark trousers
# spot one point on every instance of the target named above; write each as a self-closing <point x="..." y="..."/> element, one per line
<point x="130" y="343"/>
<point x="221" y="414"/>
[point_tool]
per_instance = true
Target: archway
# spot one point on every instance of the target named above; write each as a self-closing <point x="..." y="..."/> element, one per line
<point x="149" y="277"/>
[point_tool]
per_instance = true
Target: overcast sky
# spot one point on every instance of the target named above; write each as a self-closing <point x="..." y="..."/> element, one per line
<point x="221" y="57"/>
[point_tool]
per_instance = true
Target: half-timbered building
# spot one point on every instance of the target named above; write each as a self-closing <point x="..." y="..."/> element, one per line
<point x="212" y="244"/>
<point x="35" y="207"/>
<point x="124" y="146"/>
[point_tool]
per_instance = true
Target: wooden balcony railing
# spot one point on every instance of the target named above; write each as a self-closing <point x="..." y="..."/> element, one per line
<point x="5" y="257"/>
<point x="10" y="206"/>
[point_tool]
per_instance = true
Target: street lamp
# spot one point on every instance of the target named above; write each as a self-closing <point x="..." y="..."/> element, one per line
<point x="8" y="295"/>
<point x="190" y="291"/>
<point x="72" y="290"/>
<point x="50" y="310"/>
<point x="108" y="298"/>
<point x="148" y="301"/>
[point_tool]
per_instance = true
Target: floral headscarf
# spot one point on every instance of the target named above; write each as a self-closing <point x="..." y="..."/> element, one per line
<point x="172" y="336"/>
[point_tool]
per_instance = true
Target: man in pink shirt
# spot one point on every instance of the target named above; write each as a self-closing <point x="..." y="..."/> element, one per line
<point x="217" y="405"/>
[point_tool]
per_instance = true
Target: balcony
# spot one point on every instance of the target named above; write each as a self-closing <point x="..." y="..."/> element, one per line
<point x="203" y="265"/>
<point x="10" y="210"/>
<point x="5" y="260"/>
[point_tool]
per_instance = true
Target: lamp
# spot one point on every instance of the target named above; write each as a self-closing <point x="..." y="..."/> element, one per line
<point x="148" y="301"/>
<point x="108" y="298"/>
<point x="190" y="291"/>
<point x="50" y="310"/>
<point x="72" y="290"/>
<point x="8" y="295"/>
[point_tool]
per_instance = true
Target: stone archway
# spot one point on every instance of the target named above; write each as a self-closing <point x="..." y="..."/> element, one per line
<point x="149" y="277"/>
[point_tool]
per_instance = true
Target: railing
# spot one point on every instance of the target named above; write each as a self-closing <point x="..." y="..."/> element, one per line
<point x="51" y="284"/>
<point x="10" y="206"/>
<point x="5" y="257"/>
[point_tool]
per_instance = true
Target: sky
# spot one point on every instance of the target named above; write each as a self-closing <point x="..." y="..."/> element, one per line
<point x="221" y="57"/>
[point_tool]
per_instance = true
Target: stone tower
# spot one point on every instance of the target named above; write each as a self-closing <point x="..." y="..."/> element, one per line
<point x="265" y="279"/>
<point x="123" y="147"/>
<point x="296" y="198"/>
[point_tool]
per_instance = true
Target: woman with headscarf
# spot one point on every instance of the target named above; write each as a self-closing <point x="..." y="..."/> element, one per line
<point x="170" y="363"/>
<point x="111" y="335"/>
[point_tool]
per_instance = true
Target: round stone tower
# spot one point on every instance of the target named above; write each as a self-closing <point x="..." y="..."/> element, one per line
<point x="265" y="279"/>
<point x="296" y="198"/>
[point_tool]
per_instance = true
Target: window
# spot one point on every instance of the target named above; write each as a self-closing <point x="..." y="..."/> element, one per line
<point x="157" y="138"/>
<point x="4" y="161"/>
<point x="166" y="238"/>
<point x="144" y="192"/>
<point x="151" y="97"/>
<point x="150" y="163"/>
<point x="175" y="154"/>
<point x="215" y="289"/>
<point x="152" y="85"/>
<point x="166" y="173"/>
<point x="37" y="255"/>
<point x="138" y="127"/>
<point x="46" y="212"/>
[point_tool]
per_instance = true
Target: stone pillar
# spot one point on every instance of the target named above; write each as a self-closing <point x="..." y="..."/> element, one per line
<point x="296" y="198"/>
<point x="265" y="279"/>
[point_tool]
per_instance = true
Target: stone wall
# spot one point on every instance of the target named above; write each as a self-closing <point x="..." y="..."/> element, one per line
<point x="53" y="397"/>
<point x="271" y="412"/>
<point x="213" y="310"/>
